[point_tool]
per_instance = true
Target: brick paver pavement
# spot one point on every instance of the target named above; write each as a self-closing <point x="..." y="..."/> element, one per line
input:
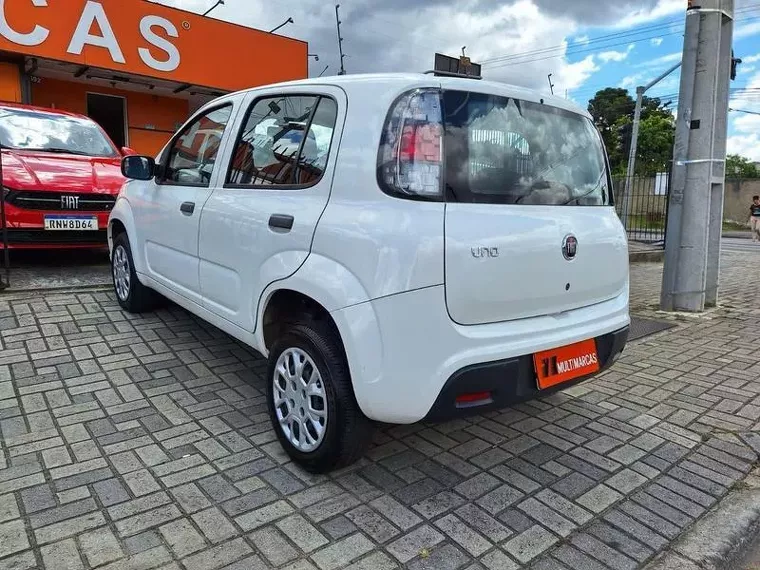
<point x="143" y="442"/>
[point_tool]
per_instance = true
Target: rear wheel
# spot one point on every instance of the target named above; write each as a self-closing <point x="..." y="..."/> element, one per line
<point x="133" y="296"/>
<point x="311" y="400"/>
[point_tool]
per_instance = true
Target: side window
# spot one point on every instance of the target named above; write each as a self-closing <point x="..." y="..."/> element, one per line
<point x="193" y="154"/>
<point x="285" y="142"/>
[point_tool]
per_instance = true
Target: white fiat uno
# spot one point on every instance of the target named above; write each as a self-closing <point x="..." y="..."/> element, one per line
<point x="402" y="247"/>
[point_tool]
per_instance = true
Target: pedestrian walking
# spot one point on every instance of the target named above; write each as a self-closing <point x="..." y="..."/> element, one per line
<point x="754" y="218"/>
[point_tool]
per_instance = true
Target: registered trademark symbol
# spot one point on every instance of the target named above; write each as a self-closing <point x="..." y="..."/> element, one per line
<point x="186" y="25"/>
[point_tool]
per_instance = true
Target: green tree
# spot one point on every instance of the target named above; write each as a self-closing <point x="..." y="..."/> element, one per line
<point x="613" y="110"/>
<point x="656" y="137"/>
<point x="741" y="167"/>
<point x="607" y="108"/>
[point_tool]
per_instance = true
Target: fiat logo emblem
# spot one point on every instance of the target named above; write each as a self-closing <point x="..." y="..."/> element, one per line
<point x="570" y="247"/>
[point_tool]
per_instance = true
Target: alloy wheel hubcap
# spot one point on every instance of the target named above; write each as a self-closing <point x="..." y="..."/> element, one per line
<point x="300" y="400"/>
<point x="121" y="276"/>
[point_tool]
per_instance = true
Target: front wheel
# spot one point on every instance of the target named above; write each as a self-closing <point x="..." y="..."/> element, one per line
<point x="133" y="296"/>
<point x="311" y="399"/>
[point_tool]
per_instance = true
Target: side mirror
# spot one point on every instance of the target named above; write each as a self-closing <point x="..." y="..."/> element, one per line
<point x="126" y="151"/>
<point x="138" y="167"/>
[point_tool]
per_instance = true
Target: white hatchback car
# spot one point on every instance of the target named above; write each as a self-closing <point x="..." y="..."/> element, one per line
<point x="402" y="247"/>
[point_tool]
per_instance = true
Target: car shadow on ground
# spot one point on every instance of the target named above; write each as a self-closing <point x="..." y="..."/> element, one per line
<point x="57" y="269"/>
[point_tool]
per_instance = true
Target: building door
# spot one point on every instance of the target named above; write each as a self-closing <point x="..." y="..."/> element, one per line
<point x="110" y="112"/>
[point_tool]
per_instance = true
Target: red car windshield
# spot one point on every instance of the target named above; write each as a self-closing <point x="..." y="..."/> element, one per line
<point x="25" y="129"/>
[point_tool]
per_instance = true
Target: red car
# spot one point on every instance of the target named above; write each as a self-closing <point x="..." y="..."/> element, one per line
<point x="61" y="175"/>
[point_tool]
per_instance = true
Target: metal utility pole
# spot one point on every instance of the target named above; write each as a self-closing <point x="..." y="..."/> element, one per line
<point x="551" y="85"/>
<point x="340" y="41"/>
<point x="4" y="283"/>
<point x="743" y="111"/>
<point x="635" y="139"/>
<point x="692" y="251"/>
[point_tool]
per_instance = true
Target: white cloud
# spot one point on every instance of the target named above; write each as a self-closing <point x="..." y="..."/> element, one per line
<point x="632" y="81"/>
<point x="608" y="56"/>
<point x="662" y="60"/>
<point x="581" y="40"/>
<point x="747" y="30"/>
<point x="656" y="41"/>
<point x="745" y="127"/>
<point x="573" y="75"/>
<point x="751" y="59"/>
<point x="645" y="14"/>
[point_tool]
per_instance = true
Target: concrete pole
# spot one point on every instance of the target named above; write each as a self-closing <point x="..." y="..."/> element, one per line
<point x="718" y="182"/>
<point x="695" y="157"/>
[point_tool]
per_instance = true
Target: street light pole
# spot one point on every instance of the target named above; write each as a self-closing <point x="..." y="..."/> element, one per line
<point x="214" y="7"/>
<point x="635" y="139"/>
<point x="285" y="23"/>
<point x="743" y="111"/>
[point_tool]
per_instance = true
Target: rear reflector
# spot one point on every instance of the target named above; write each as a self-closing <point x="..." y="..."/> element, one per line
<point x="473" y="398"/>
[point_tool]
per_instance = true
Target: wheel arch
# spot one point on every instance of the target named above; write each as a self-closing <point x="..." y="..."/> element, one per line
<point x="304" y="293"/>
<point x="122" y="220"/>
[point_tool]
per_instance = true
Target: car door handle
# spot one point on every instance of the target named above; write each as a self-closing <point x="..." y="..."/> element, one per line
<point x="281" y="222"/>
<point x="187" y="208"/>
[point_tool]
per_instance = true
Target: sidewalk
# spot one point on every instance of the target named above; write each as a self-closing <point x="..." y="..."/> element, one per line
<point x="143" y="442"/>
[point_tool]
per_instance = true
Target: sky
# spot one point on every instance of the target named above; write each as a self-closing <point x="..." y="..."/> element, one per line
<point x="586" y="45"/>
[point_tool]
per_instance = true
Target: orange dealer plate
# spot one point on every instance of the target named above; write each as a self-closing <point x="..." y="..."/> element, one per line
<point x="567" y="363"/>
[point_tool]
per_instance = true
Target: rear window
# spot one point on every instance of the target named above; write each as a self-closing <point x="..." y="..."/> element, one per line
<point x="506" y="151"/>
<point x="478" y="148"/>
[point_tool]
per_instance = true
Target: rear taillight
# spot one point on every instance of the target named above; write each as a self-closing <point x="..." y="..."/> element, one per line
<point x="410" y="157"/>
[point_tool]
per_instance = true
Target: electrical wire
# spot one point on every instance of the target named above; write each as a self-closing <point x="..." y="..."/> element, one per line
<point x="609" y="37"/>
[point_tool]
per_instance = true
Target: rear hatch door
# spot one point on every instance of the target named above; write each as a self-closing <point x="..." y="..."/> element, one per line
<point x="529" y="226"/>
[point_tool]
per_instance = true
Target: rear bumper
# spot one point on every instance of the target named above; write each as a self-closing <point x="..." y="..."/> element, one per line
<point x="403" y="350"/>
<point x="510" y="381"/>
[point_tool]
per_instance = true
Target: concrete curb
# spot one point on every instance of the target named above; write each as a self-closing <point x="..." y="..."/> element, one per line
<point x="738" y="235"/>
<point x="717" y="540"/>
<point x="32" y="292"/>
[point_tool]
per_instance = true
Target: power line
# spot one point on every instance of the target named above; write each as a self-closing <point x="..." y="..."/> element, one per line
<point x="604" y="38"/>
<point x="571" y="45"/>
<point x="591" y="50"/>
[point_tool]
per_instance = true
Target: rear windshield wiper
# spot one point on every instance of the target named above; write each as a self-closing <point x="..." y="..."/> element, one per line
<point x="589" y="192"/>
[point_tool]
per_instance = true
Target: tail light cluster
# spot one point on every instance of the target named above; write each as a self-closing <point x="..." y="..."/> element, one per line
<point x="411" y="151"/>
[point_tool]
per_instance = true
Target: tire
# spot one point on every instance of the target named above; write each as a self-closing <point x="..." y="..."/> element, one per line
<point x="133" y="296"/>
<point x="347" y="431"/>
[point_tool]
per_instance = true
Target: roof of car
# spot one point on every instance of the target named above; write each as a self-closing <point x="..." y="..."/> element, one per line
<point x="349" y="82"/>
<point x="49" y="111"/>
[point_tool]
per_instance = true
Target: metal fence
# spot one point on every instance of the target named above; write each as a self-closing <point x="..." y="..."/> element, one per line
<point x="642" y="204"/>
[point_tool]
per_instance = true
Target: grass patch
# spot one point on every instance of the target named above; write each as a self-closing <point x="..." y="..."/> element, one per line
<point x="650" y="221"/>
<point x="734" y="227"/>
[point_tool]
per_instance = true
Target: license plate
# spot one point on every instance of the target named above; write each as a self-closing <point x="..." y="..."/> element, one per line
<point x="567" y="363"/>
<point x="69" y="223"/>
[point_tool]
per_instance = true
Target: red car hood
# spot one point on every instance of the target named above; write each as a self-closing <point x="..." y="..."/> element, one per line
<point x="23" y="170"/>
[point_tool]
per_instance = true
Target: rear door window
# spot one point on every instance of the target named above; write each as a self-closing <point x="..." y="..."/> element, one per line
<point x="503" y="150"/>
<point x="285" y="142"/>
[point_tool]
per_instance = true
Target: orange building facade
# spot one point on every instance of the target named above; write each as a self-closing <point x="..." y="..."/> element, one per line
<point x="136" y="67"/>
